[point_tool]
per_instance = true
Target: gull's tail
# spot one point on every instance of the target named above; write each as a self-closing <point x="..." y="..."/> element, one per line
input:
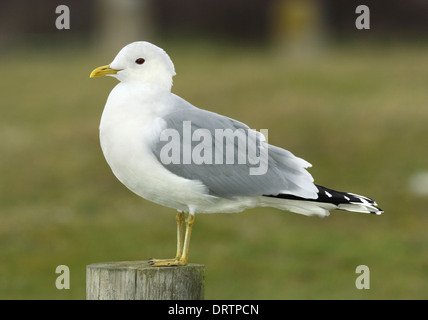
<point x="328" y="199"/>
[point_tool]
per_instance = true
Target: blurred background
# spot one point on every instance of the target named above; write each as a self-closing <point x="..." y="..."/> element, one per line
<point x="352" y="102"/>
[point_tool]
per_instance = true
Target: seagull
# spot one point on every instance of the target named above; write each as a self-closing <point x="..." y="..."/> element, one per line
<point x="172" y="153"/>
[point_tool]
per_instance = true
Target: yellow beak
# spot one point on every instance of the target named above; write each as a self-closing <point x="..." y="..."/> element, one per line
<point x="103" y="71"/>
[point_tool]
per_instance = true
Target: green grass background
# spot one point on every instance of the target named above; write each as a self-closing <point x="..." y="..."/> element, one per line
<point x="357" y="113"/>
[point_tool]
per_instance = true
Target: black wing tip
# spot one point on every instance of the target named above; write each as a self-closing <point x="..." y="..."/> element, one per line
<point x="377" y="211"/>
<point x="342" y="200"/>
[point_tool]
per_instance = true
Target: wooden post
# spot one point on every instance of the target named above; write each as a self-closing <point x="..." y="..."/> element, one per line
<point x="137" y="280"/>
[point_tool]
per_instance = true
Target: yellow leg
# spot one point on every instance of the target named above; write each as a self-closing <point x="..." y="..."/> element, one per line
<point x="180" y="221"/>
<point x="189" y="226"/>
<point x="182" y="256"/>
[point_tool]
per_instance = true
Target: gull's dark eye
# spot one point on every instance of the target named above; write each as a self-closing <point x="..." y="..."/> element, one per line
<point x="140" y="61"/>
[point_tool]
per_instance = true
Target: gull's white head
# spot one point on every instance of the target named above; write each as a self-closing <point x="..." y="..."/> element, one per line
<point x="142" y="62"/>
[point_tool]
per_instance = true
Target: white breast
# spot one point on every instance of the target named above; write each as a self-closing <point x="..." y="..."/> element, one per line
<point x="129" y="123"/>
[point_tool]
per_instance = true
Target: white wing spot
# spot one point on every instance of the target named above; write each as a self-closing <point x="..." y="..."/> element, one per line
<point x="328" y="194"/>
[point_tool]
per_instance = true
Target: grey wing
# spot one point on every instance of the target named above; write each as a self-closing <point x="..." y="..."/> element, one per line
<point x="228" y="157"/>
